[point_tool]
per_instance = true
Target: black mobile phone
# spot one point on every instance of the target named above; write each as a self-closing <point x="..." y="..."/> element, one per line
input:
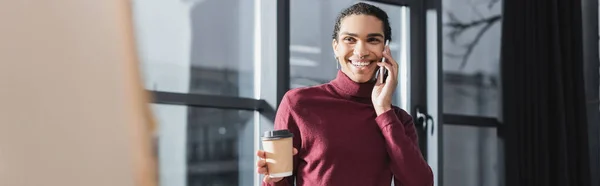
<point x="383" y="72"/>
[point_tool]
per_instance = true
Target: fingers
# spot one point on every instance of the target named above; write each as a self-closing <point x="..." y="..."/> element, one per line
<point x="390" y="68"/>
<point x="268" y="179"/>
<point x="387" y="53"/>
<point x="390" y="80"/>
<point x="388" y="57"/>
<point x="261" y="154"/>
<point x="393" y="68"/>
<point x="261" y="167"/>
<point x="262" y="170"/>
<point x="261" y="163"/>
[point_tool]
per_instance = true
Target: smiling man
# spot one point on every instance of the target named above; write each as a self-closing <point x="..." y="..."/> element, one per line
<point x="347" y="132"/>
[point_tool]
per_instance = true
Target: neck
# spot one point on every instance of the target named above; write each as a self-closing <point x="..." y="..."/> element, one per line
<point x="351" y="89"/>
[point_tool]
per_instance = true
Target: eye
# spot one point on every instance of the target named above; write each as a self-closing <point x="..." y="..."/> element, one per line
<point x="374" y="40"/>
<point x="349" y="39"/>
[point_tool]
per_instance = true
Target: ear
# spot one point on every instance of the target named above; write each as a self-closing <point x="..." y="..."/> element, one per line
<point x="334" y="45"/>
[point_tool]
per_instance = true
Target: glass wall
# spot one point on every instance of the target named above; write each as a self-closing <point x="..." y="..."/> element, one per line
<point x="211" y="47"/>
<point x="311" y="55"/>
<point x="200" y="47"/>
<point x="471" y="33"/>
<point x="220" y="147"/>
<point x="470" y="155"/>
<point x="184" y="49"/>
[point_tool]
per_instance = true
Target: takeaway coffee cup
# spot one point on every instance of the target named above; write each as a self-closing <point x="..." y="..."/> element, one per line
<point x="279" y="149"/>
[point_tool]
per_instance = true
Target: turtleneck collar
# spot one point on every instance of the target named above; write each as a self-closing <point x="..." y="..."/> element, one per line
<point x="348" y="88"/>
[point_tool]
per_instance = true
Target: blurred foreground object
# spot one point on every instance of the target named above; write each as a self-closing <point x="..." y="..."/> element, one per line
<point x="73" y="110"/>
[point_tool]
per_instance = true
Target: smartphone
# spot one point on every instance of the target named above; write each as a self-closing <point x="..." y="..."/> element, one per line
<point x="383" y="72"/>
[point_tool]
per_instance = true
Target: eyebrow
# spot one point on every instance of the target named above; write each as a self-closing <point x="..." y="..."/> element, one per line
<point x="369" y="35"/>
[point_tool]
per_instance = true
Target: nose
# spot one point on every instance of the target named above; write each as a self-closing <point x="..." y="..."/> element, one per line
<point x="360" y="49"/>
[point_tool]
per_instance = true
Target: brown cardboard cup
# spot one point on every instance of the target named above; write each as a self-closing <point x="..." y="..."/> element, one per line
<point x="279" y="149"/>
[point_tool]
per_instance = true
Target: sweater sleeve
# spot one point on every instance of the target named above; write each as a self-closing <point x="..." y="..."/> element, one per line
<point x="407" y="163"/>
<point x="284" y="120"/>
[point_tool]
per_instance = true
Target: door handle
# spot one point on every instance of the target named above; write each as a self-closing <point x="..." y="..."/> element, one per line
<point x="423" y="119"/>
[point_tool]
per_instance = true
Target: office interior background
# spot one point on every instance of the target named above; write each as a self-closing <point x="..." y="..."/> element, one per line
<point x="218" y="68"/>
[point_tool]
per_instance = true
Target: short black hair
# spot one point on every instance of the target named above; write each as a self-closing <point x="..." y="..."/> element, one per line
<point x="364" y="9"/>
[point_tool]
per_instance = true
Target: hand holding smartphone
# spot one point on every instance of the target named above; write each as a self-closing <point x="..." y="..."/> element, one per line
<point x="382" y="70"/>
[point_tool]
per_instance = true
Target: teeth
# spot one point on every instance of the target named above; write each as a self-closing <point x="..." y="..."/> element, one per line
<point x="360" y="63"/>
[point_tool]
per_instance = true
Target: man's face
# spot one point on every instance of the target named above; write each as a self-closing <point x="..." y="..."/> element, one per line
<point x="359" y="46"/>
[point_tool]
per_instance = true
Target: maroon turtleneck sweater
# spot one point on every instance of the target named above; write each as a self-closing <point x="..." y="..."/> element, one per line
<point x="342" y="142"/>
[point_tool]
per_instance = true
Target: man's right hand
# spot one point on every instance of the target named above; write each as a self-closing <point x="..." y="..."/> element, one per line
<point x="261" y="166"/>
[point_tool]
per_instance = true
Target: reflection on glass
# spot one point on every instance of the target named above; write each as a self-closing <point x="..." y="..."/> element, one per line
<point x="471" y="95"/>
<point x="311" y="56"/>
<point x="184" y="49"/>
<point x="471" y="156"/>
<point x="471" y="53"/>
<point x="312" y="60"/>
<point x="205" y="146"/>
